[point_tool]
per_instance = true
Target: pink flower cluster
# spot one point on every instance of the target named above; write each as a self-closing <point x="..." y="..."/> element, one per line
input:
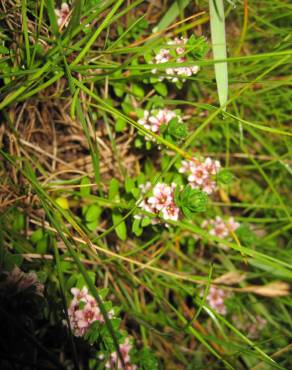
<point x="219" y="227"/>
<point x="165" y="56"/>
<point x="114" y="361"/>
<point x="161" y="201"/>
<point x="153" y="119"/>
<point x="83" y="311"/>
<point x="253" y="328"/>
<point x="215" y="299"/>
<point x="62" y="15"/>
<point x="201" y="174"/>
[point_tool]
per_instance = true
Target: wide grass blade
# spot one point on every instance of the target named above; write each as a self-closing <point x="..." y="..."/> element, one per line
<point x="217" y="23"/>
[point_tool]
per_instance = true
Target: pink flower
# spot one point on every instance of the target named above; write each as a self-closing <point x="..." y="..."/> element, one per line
<point x="209" y="186"/>
<point x="63" y="15"/>
<point x="165" y="56"/>
<point x="215" y="299"/>
<point x="198" y="174"/>
<point x="87" y="315"/>
<point x="83" y="311"/>
<point x="201" y="173"/>
<point x="171" y="212"/>
<point x="185" y="166"/>
<point x="162" y="201"/>
<point x="220" y="228"/>
<point x="232" y="224"/>
<point x="251" y="328"/>
<point x="80" y="295"/>
<point x="163" y="116"/>
<point x="153" y="119"/>
<point x="254" y="329"/>
<point x="114" y="361"/>
<point x="162" y="196"/>
<point x="211" y="166"/>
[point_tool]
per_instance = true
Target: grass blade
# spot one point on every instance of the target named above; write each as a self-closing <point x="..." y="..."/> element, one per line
<point x="172" y="13"/>
<point x="25" y="31"/>
<point x="217" y="23"/>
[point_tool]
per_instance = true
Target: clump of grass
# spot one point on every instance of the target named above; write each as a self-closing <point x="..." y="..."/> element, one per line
<point x="127" y="180"/>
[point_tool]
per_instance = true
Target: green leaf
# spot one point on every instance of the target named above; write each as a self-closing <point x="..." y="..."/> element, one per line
<point x="136" y="228"/>
<point x="161" y="88"/>
<point x="71" y="281"/>
<point x="119" y="90"/>
<point x="92" y="225"/>
<point x="85" y="190"/>
<point x="36" y="235"/>
<point x="18" y="221"/>
<point x="138" y="143"/>
<point x="93" y="213"/>
<point x="145" y="221"/>
<point x="120" y="229"/>
<point x="3" y="50"/>
<point x="138" y="91"/>
<point x="148" y="145"/>
<point x="120" y="125"/>
<point x="114" y="190"/>
<point x="42" y="245"/>
<point x="103" y="292"/>
<point x="129" y="184"/>
<point x="9" y="261"/>
<point x="81" y="281"/>
<point x="149" y="168"/>
<point x="136" y="193"/>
